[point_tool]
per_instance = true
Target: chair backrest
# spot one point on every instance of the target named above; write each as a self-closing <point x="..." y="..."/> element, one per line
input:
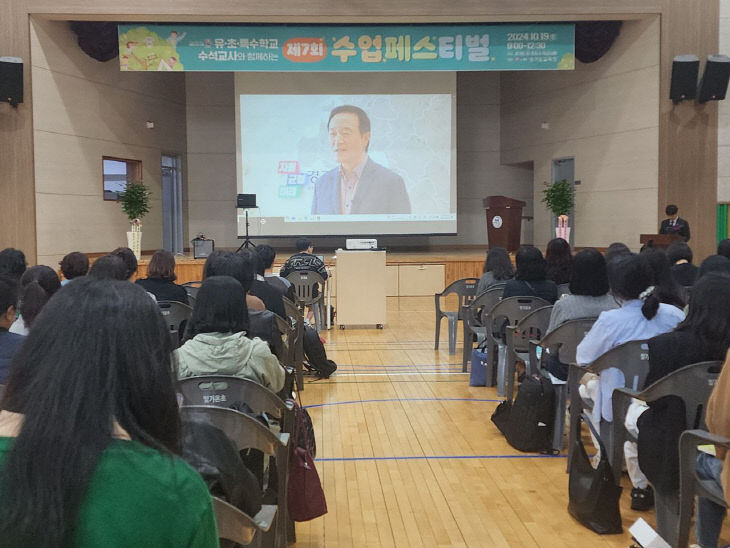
<point x="631" y="358"/>
<point x="288" y="333"/>
<point x="694" y="384"/>
<point x="531" y="327"/>
<point x="304" y="282"/>
<point x="563" y="289"/>
<point x="478" y="308"/>
<point x="513" y="309"/>
<point x="466" y="289"/>
<point x="192" y="288"/>
<point x="566" y="337"/>
<point x="174" y="313"/>
<point x="244" y="431"/>
<point x="224" y="390"/>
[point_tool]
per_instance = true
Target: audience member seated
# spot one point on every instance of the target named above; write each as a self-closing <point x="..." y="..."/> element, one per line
<point x="666" y="289"/>
<point x="216" y="342"/>
<point x="304" y="261"/>
<point x="9" y="342"/>
<point x="129" y="258"/>
<point x="497" y="269"/>
<point x="641" y="316"/>
<point x="531" y="277"/>
<point x="90" y="430"/>
<point x="709" y="515"/>
<point x="723" y="248"/>
<point x="714" y="263"/>
<point x="225" y="263"/>
<point x="559" y="260"/>
<point x="259" y="288"/>
<point x="261" y="322"/>
<point x="37" y="286"/>
<point x="267" y="254"/>
<point x="109" y="267"/>
<point x="12" y="263"/>
<point x="680" y="257"/>
<point x="703" y="336"/>
<point x="616" y="249"/>
<point x="160" y="280"/>
<point x="74" y="265"/>
<point x="588" y="297"/>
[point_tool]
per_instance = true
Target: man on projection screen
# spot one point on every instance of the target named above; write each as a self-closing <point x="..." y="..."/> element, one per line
<point x="358" y="185"/>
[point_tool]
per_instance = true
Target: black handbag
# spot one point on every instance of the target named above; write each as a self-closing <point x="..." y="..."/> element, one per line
<point x="593" y="492"/>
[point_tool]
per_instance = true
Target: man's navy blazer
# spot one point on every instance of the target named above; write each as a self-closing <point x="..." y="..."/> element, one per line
<point x="379" y="190"/>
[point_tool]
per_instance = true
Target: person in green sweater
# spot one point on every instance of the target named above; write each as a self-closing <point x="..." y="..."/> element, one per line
<point x="216" y="342"/>
<point x="90" y="430"/>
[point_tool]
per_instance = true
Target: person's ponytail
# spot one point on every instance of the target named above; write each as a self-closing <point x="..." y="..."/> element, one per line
<point x="650" y="302"/>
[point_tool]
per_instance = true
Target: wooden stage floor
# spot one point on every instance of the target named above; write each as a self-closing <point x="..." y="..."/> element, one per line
<point x="408" y="456"/>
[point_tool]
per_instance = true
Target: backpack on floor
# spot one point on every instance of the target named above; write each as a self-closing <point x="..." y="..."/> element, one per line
<point x="315" y="354"/>
<point x="527" y="423"/>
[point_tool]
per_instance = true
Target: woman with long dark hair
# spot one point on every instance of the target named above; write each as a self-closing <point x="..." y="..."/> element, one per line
<point x="559" y="260"/>
<point x="90" y="430"/>
<point x="216" y="342"/>
<point x="497" y="269"/>
<point x="531" y="277"/>
<point x="667" y="289"/>
<point x="37" y="286"/>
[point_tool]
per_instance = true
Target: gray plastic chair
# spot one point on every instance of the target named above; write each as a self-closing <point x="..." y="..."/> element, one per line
<point x="248" y="433"/>
<point x="563" y="289"/>
<point x="192" y="288"/>
<point x="508" y="311"/>
<point x="176" y="315"/>
<point x="304" y="283"/>
<point x="465" y="289"/>
<point x="297" y="320"/>
<point x="563" y="342"/>
<point x="236" y="526"/>
<point x="518" y="337"/>
<point x="473" y="315"/>
<point x="632" y="359"/>
<point x="690" y="485"/>
<point x="693" y="384"/>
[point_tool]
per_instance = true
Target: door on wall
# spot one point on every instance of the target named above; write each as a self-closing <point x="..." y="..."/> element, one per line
<point x="172" y="213"/>
<point x="564" y="168"/>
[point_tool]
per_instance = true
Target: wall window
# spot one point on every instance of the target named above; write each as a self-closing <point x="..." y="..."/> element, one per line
<point x="117" y="173"/>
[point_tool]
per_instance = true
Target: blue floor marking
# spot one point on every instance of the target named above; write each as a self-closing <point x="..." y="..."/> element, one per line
<point x="440" y="457"/>
<point x="398" y="399"/>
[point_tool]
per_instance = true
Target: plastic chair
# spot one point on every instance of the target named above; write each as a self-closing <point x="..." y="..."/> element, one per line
<point x="506" y="312"/>
<point x="563" y="342"/>
<point x="192" y="288"/>
<point x="631" y="359"/>
<point x="304" y="282"/>
<point x="297" y="320"/>
<point x="237" y="526"/>
<point x="473" y="315"/>
<point x="563" y="289"/>
<point x="465" y="289"/>
<point x="517" y="337"/>
<point x="176" y="315"/>
<point x="248" y="433"/>
<point x="690" y="485"/>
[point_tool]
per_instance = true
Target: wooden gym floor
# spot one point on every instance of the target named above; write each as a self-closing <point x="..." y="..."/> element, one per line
<point x="408" y="456"/>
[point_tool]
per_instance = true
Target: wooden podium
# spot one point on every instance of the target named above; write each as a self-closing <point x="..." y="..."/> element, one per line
<point x="659" y="240"/>
<point x="360" y="288"/>
<point x="504" y="221"/>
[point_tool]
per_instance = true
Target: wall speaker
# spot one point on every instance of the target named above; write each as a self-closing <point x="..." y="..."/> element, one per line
<point x="713" y="86"/>
<point x="246" y="200"/>
<point x="11" y="80"/>
<point x="685" y="69"/>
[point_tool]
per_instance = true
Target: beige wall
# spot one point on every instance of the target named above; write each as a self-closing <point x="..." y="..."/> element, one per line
<point x="83" y="110"/>
<point x="605" y="115"/>
<point x="212" y="161"/>
<point x="723" y="144"/>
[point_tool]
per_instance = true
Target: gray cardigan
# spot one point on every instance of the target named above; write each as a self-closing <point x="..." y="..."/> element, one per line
<point x="574" y="307"/>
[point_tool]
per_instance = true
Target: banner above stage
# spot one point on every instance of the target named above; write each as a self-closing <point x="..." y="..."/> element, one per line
<point x="361" y="48"/>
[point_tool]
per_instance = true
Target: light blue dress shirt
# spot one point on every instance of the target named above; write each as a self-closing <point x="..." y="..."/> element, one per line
<point x="615" y="327"/>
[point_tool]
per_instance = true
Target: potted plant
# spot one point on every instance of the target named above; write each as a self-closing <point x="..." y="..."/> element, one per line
<point x="135" y="202"/>
<point x="560" y="199"/>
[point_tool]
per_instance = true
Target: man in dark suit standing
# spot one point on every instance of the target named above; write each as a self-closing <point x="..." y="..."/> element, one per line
<point x="358" y="185"/>
<point x="674" y="224"/>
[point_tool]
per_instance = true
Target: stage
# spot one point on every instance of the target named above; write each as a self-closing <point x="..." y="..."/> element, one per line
<point x="409" y="273"/>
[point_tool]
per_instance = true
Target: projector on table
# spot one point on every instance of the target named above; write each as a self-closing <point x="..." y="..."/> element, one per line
<point x="364" y="243"/>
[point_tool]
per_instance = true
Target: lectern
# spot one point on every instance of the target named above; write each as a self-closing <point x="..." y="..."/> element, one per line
<point x="504" y="221"/>
<point x="659" y="240"/>
<point x="360" y="288"/>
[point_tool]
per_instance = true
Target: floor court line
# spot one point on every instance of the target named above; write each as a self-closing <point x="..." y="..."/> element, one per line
<point x="400" y="374"/>
<point x="439" y="457"/>
<point x="480" y="400"/>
